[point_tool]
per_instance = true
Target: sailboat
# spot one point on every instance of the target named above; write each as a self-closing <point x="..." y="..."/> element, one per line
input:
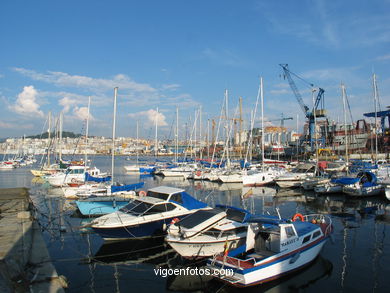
<point x="112" y="197"/>
<point x="255" y="177"/>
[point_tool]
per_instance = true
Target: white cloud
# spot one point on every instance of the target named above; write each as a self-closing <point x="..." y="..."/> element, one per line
<point x="67" y="103"/>
<point x="383" y="57"/>
<point x="26" y="102"/>
<point x="82" y="113"/>
<point x="150" y="117"/>
<point x="78" y="81"/>
<point x="171" y="87"/>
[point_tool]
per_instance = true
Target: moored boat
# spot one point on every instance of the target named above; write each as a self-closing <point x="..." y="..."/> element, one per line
<point x="296" y="176"/>
<point x="148" y="215"/>
<point x="274" y="248"/>
<point x="207" y="232"/>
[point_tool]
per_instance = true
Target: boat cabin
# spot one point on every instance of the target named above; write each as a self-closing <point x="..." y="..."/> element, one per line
<point x="75" y="170"/>
<point x="221" y="221"/>
<point x="150" y="207"/>
<point x="275" y="237"/>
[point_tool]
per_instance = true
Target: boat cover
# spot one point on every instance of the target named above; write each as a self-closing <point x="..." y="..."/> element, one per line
<point x="191" y="203"/>
<point x="96" y="179"/>
<point x="127" y="187"/>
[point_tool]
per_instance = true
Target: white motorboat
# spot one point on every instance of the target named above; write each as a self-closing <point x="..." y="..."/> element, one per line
<point x="73" y="174"/>
<point x="149" y="215"/>
<point x="231" y="176"/>
<point x="258" y="177"/>
<point x="296" y="176"/>
<point x="273" y="249"/>
<point x="207" y="232"/>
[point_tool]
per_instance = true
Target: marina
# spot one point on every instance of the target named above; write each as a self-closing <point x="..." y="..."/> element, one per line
<point x="357" y="250"/>
<point x="194" y="146"/>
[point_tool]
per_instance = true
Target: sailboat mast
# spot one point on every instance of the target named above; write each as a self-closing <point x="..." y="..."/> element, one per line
<point x="60" y="136"/>
<point x="156" y="143"/>
<point x="137" y="144"/>
<point x="113" y="136"/>
<point x="48" y="137"/>
<point x="345" y="124"/>
<point x="200" y="132"/>
<point x="177" y="135"/>
<point x="262" y="123"/>
<point x="315" y="128"/>
<point x="86" y="134"/>
<point x="376" y="116"/>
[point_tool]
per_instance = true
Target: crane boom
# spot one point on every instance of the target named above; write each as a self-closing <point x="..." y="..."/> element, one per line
<point x="315" y="112"/>
<point x="294" y="88"/>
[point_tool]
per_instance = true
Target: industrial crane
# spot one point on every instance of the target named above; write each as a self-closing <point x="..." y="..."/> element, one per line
<point x="311" y="115"/>
<point x="282" y="119"/>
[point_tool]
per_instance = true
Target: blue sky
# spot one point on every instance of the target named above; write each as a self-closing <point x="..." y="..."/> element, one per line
<point x="54" y="54"/>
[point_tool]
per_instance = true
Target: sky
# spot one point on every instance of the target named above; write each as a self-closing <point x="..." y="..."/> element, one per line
<point x="164" y="55"/>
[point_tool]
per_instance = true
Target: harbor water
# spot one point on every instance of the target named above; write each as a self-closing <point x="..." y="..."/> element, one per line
<point x="355" y="260"/>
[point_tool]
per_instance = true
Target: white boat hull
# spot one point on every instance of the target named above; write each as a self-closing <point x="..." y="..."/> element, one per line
<point x="193" y="249"/>
<point x="268" y="273"/>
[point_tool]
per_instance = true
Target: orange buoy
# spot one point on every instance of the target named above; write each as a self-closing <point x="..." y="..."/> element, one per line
<point x="298" y="215"/>
<point x="142" y="193"/>
<point x="175" y="220"/>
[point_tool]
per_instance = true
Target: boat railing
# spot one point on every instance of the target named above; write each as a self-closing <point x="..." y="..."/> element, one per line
<point x="92" y="211"/>
<point x="324" y="221"/>
<point x="237" y="262"/>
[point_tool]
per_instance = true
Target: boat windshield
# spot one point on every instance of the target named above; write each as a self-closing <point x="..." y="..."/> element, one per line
<point x="235" y="215"/>
<point x="198" y="217"/>
<point x="159" y="195"/>
<point x="138" y="208"/>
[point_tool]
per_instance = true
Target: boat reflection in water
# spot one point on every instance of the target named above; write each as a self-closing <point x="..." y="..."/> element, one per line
<point x="320" y="268"/>
<point x="152" y="250"/>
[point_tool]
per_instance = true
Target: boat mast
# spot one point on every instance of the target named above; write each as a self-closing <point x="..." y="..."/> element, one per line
<point x="86" y="134"/>
<point x="137" y="144"/>
<point x="113" y="136"/>
<point x="177" y="136"/>
<point x="156" y="142"/>
<point x="262" y="123"/>
<point x="200" y="132"/>
<point x="227" y="128"/>
<point x="60" y="137"/>
<point x="297" y="138"/>
<point x="345" y="124"/>
<point x="376" y="116"/>
<point x="48" y="137"/>
<point x="315" y="128"/>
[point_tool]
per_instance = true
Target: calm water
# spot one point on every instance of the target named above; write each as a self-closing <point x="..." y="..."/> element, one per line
<point x="358" y="260"/>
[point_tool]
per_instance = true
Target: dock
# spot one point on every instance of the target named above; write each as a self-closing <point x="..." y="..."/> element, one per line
<point x="25" y="264"/>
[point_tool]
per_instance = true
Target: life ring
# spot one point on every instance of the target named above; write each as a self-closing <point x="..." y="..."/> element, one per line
<point x="73" y="180"/>
<point x="175" y="220"/>
<point x="142" y="193"/>
<point x="198" y="173"/>
<point x="298" y="215"/>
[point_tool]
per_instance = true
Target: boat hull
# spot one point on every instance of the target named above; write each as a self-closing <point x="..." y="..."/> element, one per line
<point x="98" y="208"/>
<point x="193" y="249"/>
<point x="153" y="228"/>
<point x="280" y="266"/>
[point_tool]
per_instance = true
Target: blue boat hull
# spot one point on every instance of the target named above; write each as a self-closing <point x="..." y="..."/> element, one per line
<point x="99" y="208"/>
<point x="138" y="231"/>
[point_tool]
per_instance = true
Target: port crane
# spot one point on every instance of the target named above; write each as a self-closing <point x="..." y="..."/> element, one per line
<point x="281" y="119"/>
<point x="317" y="111"/>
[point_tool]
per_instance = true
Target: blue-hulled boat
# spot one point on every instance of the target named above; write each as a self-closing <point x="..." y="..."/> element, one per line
<point x="274" y="248"/>
<point x="97" y="205"/>
<point x="365" y="184"/>
<point x="148" y="215"/>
